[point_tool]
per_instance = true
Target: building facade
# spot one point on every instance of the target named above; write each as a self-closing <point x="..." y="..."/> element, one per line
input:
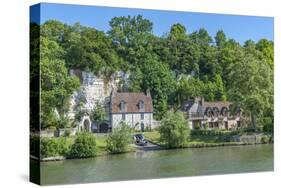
<point x="211" y="115"/>
<point x="135" y="109"/>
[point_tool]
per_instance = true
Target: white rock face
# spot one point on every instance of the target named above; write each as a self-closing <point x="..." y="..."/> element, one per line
<point x="93" y="89"/>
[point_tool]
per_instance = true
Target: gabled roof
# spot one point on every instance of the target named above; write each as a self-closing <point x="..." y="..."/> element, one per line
<point x="132" y="101"/>
<point x="196" y="107"/>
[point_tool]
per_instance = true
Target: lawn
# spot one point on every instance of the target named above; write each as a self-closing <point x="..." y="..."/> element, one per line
<point x="154" y="136"/>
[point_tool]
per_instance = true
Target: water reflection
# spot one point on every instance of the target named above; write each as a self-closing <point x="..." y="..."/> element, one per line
<point x="161" y="163"/>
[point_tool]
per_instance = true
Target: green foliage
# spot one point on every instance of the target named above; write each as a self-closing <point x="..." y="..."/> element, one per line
<point x="267" y="123"/>
<point x="252" y="86"/>
<point x="98" y="114"/>
<point x="119" y="139"/>
<point x="56" y="89"/>
<point x="173" y="67"/>
<point x="174" y="130"/>
<point x="52" y="147"/>
<point x="84" y="146"/>
<point x="213" y="132"/>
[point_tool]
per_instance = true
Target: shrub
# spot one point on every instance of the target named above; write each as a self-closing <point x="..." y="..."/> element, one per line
<point x="84" y="146"/>
<point x="67" y="133"/>
<point x="213" y="132"/>
<point x="173" y="130"/>
<point x="268" y="124"/>
<point x="119" y="139"/>
<point x="265" y="139"/>
<point x="51" y="147"/>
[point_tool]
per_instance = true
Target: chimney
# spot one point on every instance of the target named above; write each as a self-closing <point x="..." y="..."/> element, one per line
<point x="148" y="93"/>
<point x="199" y="100"/>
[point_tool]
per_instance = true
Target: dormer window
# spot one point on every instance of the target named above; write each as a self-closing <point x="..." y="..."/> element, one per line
<point x="141" y="105"/>
<point x="122" y="105"/>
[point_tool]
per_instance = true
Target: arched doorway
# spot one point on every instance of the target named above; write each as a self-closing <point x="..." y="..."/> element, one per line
<point x="86" y="125"/>
<point x="103" y="127"/>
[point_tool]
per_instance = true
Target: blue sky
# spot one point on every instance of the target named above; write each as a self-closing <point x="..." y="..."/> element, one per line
<point x="240" y="28"/>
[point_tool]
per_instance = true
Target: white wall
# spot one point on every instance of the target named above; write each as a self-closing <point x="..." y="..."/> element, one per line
<point x="132" y="119"/>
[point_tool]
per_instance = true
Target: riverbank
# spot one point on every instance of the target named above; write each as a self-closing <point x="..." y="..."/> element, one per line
<point x="195" y="141"/>
<point x="215" y="139"/>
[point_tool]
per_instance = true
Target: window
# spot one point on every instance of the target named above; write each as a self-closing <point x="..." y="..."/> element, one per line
<point x="142" y="116"/>
<point x="122" y="105"/>
<point x="141" y="105"/>
<point x="123" y="117"/>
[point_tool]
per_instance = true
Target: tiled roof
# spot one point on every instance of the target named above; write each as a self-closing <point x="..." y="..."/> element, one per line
<point x="132" y="101"/>
<point x="218" y="104"/>
<point x="196" y="107"/>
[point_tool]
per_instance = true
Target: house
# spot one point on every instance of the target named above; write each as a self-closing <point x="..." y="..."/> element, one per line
<point x="135" y="109"/>
<point x="211" y="115"/>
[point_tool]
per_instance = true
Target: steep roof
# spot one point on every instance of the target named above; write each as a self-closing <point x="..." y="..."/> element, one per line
<point x="197" y="107"/>
<point x="132" y="101"/>
<point x="218" y="104"/>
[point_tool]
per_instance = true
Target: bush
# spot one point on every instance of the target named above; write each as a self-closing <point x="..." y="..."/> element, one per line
<point x="119" y="139"/>
<point x="52" y="147"/>
<point x="174" y="130"/>
<point x="213" y="133"/>
<point x="84" y="146"/>
<point x="66" y="133"/>
<point x="265" y="139"/>
<point x="268" y="124"/>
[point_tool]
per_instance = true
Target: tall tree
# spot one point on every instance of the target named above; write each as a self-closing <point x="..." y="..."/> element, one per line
<point x="220" y="39"/>
<point x="251" y="86"/>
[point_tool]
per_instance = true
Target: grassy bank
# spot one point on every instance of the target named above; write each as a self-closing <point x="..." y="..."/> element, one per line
<point x="201" y="140"/>
<point x="59" y="148"/>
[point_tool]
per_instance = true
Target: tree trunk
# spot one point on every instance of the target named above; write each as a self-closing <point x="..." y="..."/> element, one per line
<point x="253" y="121"/>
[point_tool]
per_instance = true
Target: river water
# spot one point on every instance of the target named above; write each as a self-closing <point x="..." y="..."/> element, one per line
<point x="160" y="164"/>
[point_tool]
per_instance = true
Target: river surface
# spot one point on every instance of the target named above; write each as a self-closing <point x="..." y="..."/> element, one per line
<point x="160" y="164"/>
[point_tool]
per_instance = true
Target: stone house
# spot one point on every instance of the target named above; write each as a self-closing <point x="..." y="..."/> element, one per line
<point x="211" y="115"/>
<point x="135" y="109"/>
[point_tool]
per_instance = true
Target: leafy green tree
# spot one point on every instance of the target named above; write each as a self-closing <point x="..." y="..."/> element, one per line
<point x="98" y="113"/>
<point x="251" y="86"/>
<point x="84" y="146"/>
<point x="174" y="130"/>
<point x="220" y="39"/>
<point x="56" y="89"/>
<point x="159" y="81"/>
<point x="266" y="47"/>
<point x="183" y="54"/>
<point x="132" y="38"/>
<point x="119" y="139"/>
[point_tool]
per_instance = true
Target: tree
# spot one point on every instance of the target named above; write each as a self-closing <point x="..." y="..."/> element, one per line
<point x="266" y="47"/>
<point x="56" y="88"/>
<point x="174" y="129"/>
<point x="220" y="39"/>
<point x="119" y="139"/>
<point x="251" y="86"/>
<point x="98" y="113"/>
<point x="183" y="54"/>
<point x="84" y="146"/>
<point x="159" y="81"/>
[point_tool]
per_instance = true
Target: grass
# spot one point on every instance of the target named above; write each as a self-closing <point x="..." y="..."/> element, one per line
<point x="100" y="142"/>
<point x="194" y="140"/>
<point x="153" y="136"/>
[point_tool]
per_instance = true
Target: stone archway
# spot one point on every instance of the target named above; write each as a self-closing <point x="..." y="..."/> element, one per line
<point x="85" y="124"/>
